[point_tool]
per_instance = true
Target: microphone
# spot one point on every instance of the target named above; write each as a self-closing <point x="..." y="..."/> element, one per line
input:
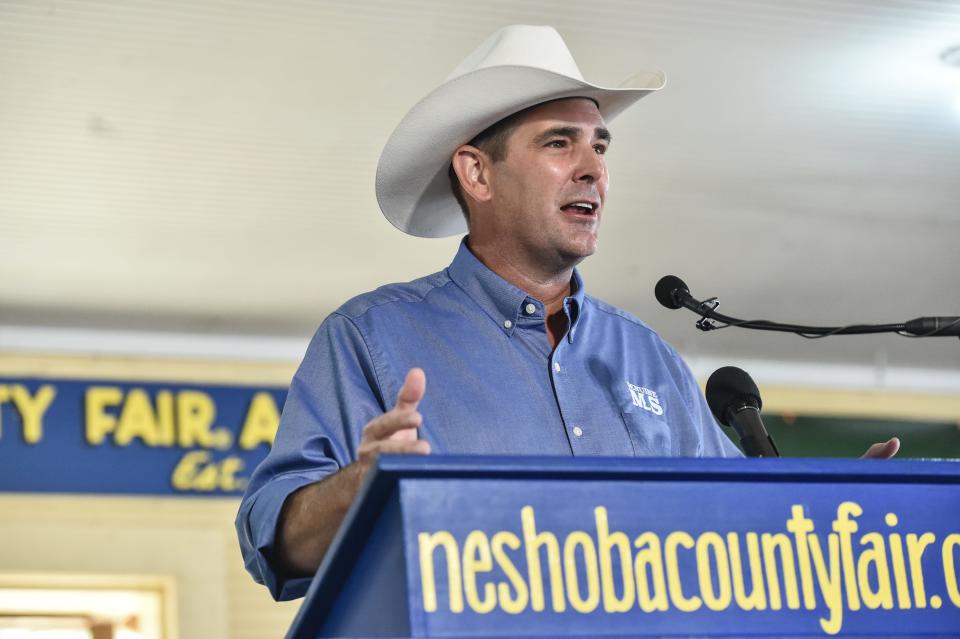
<point x="673" y="293"/>
<point x="734" y="399"/>
<point x="930" y="326"/>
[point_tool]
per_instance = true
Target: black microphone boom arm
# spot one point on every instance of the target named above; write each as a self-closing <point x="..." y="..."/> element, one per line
<point x="673" y="293"/>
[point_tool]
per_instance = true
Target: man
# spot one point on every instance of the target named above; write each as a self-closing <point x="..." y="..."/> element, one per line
<point x="519" y="359"/>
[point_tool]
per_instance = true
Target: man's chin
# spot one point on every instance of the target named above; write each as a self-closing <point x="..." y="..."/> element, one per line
<point x="585" y="245"/>
<point x="576" y="253"/>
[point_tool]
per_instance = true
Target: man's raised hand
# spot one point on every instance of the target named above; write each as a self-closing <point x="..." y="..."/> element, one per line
<point x="311" y="515"/>
<point x="883" y="450"/>
<point x="396" y="430"/>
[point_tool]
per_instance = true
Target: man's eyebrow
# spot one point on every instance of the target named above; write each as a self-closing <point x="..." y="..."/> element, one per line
<point x="572" y="132"/>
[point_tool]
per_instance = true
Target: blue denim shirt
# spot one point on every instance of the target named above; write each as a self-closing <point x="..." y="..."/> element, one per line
<point x="494" y="386"/>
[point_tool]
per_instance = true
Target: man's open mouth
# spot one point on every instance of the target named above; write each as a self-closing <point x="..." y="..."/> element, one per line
<point x="581" y="207"/>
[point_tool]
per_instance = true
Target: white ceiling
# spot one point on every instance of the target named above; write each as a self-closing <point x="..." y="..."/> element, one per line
<point x="208" y="166"/>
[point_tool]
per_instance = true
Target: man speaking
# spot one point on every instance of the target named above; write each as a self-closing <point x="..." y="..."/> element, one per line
<point x="503" y="352"/>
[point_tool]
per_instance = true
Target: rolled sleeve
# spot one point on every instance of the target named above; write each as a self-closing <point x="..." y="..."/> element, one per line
<point x="332" y="396"/>
<point x="257" y="529"/>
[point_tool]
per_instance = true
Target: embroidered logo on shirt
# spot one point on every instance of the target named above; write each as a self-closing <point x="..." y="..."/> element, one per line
<point x="645" y="398"/>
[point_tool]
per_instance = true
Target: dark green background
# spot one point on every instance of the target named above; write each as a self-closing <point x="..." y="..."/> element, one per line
<point x="806" y="436"/>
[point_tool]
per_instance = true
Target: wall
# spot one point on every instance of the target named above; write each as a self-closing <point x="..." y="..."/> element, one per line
<point x="191" y="540"/>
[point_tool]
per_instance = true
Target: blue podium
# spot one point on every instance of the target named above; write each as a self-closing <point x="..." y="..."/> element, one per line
<point x="608" y="547"/>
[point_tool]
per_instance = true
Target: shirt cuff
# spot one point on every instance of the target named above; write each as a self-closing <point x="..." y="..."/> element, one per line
<point x="258" y="534"/>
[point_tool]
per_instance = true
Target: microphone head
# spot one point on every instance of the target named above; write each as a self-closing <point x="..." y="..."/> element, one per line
<point x="729" y="386"/>
<point x="666" y="289"/>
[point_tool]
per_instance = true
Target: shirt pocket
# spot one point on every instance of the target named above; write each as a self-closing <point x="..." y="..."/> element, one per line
<point x="649" y="435"/>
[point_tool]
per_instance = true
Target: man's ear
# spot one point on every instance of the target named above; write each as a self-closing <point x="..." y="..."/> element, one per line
<point x="470" y="165"/>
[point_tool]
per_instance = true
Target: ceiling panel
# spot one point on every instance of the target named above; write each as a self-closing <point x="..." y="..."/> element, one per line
<point x="208" y="166"/>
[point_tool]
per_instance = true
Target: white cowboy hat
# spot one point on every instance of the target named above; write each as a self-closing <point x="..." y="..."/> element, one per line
<point x="517" y="67"/>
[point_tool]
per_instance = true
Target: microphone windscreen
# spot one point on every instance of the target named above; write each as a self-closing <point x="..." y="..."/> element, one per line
<point x="728" y="386"/>
<point x="665" y="289"/>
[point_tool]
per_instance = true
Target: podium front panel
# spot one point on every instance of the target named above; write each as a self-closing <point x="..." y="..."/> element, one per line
<point x="535" y="547"/>
<point x="576" y="557"/>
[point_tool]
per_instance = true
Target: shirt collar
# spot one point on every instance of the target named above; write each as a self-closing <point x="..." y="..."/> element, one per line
<point x="498" y="298"/>
<point x="575" y="309"/>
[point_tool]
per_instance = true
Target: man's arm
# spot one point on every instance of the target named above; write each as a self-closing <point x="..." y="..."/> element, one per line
<point x="338" y="388"/>
<point x="312" y="514"/>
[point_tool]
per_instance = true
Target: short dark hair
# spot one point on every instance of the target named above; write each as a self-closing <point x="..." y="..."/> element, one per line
<point x="493" y="142"/>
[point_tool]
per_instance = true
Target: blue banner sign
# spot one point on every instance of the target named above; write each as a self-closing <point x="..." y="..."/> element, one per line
<point x="683" y="555"/>
<point x="116" y="437"/>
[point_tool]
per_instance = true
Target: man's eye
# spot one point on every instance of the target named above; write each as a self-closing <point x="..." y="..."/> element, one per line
<point x="557" y="144"/>
<point x="600" y="148"/>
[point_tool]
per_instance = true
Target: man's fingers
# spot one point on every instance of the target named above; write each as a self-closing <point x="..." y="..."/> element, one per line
<point x="414" y="386"/>
<point x="396" y="447"/>
<point x="883" y="450"/>
<point x="391" y="423"/>
<point x="401" y="422"/>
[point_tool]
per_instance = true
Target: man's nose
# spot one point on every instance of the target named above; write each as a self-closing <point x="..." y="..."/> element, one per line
<point x="591" y="166"/>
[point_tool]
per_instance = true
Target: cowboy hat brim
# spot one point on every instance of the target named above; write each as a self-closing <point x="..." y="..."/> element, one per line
<point x="412" y="183"/>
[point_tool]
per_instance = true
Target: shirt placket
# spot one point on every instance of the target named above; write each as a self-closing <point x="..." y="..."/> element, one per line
<point x="572" y="414"/>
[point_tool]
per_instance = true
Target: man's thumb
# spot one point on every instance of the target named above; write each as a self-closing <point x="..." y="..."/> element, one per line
<point x="414" y="386"/>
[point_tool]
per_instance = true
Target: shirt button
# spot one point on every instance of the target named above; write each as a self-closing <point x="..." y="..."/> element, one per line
<point x="578" y="431"/>
<point x="530" y="309"/>
<point x="507" y="324"/>
<point x="556" y="366"/>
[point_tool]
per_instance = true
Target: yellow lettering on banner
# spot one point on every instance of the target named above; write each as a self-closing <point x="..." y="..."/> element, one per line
<point x="260" y="425"/>
<point x="197" y="471"/>
<point x="845" y="527"/>
<point x="205" y="479"/>
<point x="607" y="541"/>
<point x="771" y="543"/>
<point x="899" y="565"/>
<point x="876" y="555"/>
<point x="532" y="542"/>
<point x="185" y="471"/>
<point x="166" y="429"/>
<point x="592" y="600"/>
<point x="801" y="526"/>
<point x="428" y="544"/>
<point x="584" y="567"/>
<point x="670" y="545"/>
<point x="829" y="580"/>
<point x="476" y="559"/>
<point x="648" y="573"/>
<point x="195" y="414"/>
<point x="510" y="604"/>
<point x="706" y="543"/>
<point x="950" y="568"/>
<point x="137" y="420"/>
<point x="194" y="472"/>
<point x="184" y="418"/>
<point x="757" y="599"/>
<point x="4" y="396"/>
<point x="31" y="408"/>
<point x="915" y="548"/>
<point x="229" y="468"/>
<point x="99" y="423"/>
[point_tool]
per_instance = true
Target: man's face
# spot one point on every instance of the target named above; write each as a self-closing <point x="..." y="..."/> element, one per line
<point x="549" y="190"/>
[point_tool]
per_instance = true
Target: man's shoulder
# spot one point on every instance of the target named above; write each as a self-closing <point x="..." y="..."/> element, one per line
<point x="615" y="314"/>
<point x="627" y="321"/>
<point x="390" y="295"/>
